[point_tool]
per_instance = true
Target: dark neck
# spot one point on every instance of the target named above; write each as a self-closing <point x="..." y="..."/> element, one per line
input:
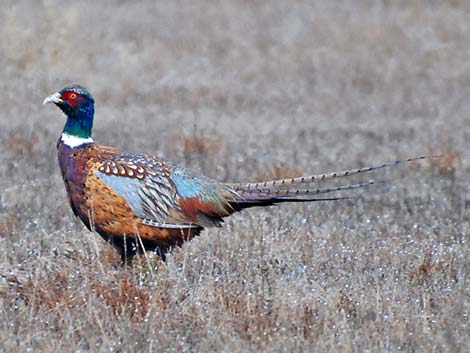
<point x="79" y="122"/>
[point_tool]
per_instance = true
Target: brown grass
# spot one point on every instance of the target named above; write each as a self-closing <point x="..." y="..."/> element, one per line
<point x="6" y="226"/>
<point x="278" y="171"/>
<point x="446" y="164"/>
<point x="201" y="146"/>
<point x="279" y="88"/>
<point x="20" y="145"/>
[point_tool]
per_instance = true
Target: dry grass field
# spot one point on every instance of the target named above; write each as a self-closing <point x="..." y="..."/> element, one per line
<point x="244" y="90"/>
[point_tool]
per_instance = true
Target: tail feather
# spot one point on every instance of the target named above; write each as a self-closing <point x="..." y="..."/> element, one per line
<point x="289" y="182"/>
<point x="267" y="197"/>
<point x="271" y="192"/>
<point x="241" y="204"/>
<point x="296" y="193"/>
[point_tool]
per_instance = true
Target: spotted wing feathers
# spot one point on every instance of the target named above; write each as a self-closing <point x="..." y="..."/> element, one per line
<point x="161" y="194"/>
<point x="122" y="166"/>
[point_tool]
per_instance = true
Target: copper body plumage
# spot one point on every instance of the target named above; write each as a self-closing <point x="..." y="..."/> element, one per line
<point x="139" y="202"/>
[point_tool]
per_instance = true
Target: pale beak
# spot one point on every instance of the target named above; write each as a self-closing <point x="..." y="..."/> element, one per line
<point x="53" y="98"/>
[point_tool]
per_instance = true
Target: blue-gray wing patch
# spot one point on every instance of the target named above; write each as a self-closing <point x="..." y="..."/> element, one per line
<point x="148" y="191"/>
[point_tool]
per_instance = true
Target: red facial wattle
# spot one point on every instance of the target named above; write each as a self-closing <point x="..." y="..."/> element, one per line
<point x="72" y="98"/>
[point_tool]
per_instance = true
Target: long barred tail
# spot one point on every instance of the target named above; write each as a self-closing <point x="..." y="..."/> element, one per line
<point x="289" y="190"/>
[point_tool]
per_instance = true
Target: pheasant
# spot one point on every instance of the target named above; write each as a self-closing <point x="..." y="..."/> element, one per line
<point x="139" y="202"/>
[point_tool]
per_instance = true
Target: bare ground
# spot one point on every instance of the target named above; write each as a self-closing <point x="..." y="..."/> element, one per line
<point x="243" y="90"/>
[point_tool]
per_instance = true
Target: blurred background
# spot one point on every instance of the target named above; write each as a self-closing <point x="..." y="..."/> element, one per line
<point x="327" y="82"/>
<point x="244" y="90"/>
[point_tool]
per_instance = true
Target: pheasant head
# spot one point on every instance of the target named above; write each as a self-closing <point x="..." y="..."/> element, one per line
<point x="78" y="105"/>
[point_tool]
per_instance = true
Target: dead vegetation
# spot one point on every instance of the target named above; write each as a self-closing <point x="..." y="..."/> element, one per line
<point x="447" y="163"/>
<point x="278" y="171"/>
<point x="281" y="89"/>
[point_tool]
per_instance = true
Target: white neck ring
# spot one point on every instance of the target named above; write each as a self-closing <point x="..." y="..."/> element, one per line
<point x="74" y="141"/>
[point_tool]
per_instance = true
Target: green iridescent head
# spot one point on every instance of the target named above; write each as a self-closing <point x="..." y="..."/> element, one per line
<point x="78" y="105"/>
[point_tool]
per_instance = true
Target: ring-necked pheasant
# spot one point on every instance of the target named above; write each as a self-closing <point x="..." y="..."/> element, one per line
<point x="138" y="201"/>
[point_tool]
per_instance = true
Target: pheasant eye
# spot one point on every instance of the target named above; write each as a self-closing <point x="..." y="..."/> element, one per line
<point x="73" y="95"/>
